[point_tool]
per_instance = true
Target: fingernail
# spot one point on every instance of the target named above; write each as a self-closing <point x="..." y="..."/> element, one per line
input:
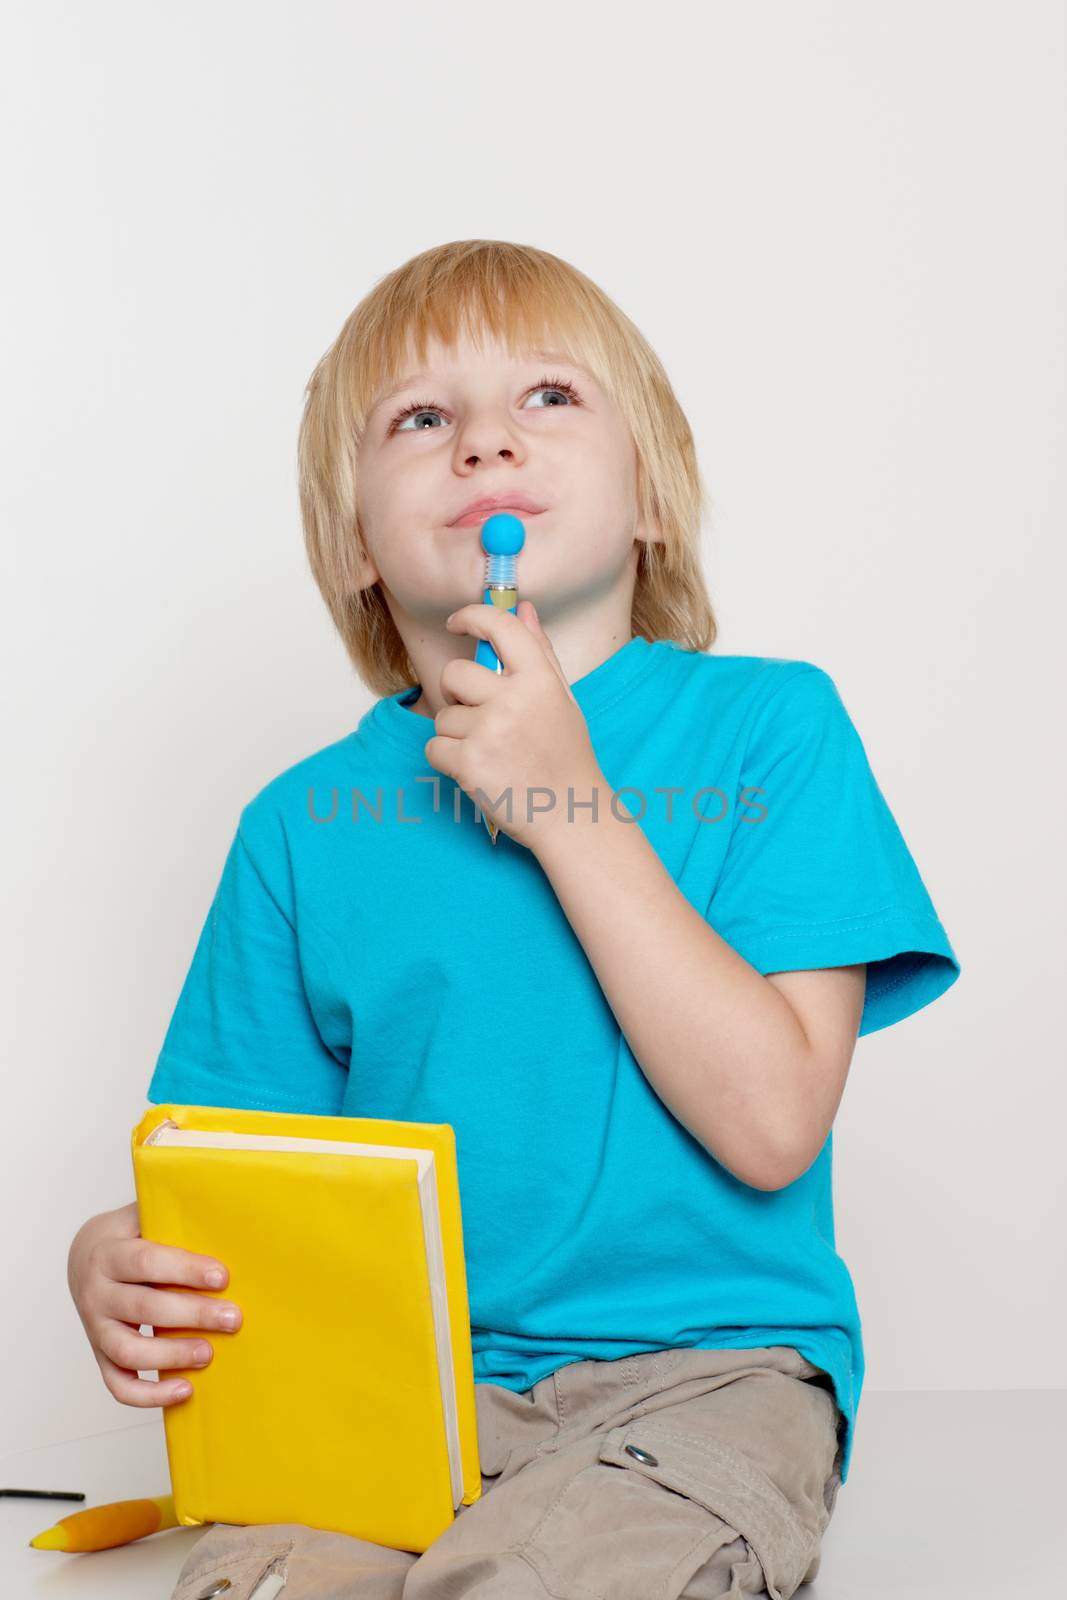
<point x="448" y="619"/>
<point x="202" y="1354"/>
<point x="183" y="1390"/>
<point x="214" y="1278"/>
<point x="229" y="1318"/>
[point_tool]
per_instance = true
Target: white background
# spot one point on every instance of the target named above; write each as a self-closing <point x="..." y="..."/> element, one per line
<point x="842" y="228"/>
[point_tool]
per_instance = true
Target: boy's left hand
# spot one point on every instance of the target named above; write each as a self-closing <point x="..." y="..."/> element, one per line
<point x="520" y="729"/>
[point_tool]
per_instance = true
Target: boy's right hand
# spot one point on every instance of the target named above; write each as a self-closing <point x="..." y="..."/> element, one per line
<point x="111" y="1271"/>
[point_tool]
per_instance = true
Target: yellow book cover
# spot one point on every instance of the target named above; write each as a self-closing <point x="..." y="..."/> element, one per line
<point x="346" y="1398"/>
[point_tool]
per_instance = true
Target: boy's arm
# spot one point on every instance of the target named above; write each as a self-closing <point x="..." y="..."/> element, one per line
<point x="753" y="1066"/>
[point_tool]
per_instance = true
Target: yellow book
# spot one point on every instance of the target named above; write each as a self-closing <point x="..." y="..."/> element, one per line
<point x="346" y="1398"/>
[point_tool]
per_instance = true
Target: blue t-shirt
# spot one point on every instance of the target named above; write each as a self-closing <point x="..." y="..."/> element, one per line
<point x="370" y="953"/>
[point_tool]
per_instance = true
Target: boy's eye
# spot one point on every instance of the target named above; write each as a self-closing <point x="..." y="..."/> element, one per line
<point x="422" y="408"/>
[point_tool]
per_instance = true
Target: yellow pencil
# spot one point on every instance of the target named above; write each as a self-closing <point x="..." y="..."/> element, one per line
<point x="101" y="1527"/>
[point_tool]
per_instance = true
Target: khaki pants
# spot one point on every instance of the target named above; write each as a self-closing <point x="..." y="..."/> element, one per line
<point x="670" y="1475"/>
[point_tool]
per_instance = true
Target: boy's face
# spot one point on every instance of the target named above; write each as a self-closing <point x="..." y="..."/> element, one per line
<point x="489" y="426"/>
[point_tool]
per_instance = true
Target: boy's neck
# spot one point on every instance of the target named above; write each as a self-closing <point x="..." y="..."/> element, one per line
<point x="581" y="643"/>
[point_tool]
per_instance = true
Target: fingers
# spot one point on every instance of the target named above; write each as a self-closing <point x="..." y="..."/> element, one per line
<point x="161" y="1308"/>
<point x="112" y="1279"/>
<point x="121" y="1351"/>
<point x="116" y="1305"/>
<point x="466" y="682"/>
<point x="511" y="639"/>
<point x="127" y="1306"/>
<point x="131" y="1390"/>
<point x="133" y="1352"/>
<point x="143" y="1261"/>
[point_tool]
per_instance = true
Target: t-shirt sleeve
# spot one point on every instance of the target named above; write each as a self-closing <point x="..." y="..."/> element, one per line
<point x="817" y="873"/>
<point x="243" y="1033"/>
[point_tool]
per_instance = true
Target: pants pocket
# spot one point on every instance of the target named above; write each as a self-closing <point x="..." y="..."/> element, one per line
<point x="721" y="1480"/>
<point x="232" y="1564"/>
<point x="610" y="1535"/>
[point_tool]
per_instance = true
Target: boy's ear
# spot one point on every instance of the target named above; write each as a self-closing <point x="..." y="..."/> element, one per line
<point x="644" y="532"/>
<point x="648" y="532"/>
<point x="366" y="575"/>
<point x="364" y="571"/>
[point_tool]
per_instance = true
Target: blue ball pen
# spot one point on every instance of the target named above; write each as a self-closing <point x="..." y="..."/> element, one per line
<point x="503" y="536"/>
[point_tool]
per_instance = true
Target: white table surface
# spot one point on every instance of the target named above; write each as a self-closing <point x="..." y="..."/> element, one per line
<point x="126" y="1464"/>
<point x="956" y="1496"/>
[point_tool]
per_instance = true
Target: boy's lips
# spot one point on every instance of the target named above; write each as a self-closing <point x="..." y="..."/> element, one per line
<point x="476" y="518"/>
<point x="478" y="510"/>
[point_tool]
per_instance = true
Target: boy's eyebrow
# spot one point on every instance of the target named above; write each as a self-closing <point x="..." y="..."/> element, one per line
<point x="540" y="355"/>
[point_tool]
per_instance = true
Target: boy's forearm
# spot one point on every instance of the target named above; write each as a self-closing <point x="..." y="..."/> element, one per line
<point x="720" y="1045"/>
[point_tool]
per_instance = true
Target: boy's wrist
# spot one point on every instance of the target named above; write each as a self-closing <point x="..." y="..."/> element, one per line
<point x="577" y="809"/>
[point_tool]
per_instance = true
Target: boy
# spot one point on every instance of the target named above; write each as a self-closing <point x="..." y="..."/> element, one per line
<point x="637" y="1009"/>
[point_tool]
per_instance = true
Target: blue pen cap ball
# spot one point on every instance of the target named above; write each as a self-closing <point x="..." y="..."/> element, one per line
<point x="503" y="534"/>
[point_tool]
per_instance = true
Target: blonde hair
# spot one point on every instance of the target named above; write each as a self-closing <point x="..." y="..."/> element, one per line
<point x="521" y="296"/>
